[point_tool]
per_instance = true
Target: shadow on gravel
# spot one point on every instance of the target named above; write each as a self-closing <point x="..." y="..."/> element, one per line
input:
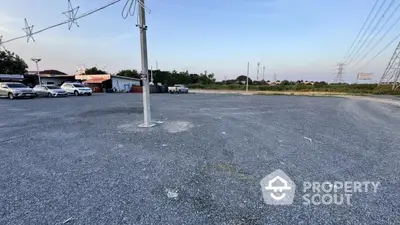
<point x="109" y="111"/>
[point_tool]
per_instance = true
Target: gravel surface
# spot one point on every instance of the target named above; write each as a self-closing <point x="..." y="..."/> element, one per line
<point x="84" y="160"/>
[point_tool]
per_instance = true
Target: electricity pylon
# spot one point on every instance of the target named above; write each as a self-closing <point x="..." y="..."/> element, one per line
<point x="392" y="71"/>
<point x="340" y="72"/>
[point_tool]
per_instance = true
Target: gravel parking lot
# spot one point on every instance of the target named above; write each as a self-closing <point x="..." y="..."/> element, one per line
<point x="84" y="160"/>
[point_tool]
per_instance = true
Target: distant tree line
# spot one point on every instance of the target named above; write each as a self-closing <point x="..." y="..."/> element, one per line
<point x="207" y="81"/>
<point x="164" y="77"/>
<point x="10" y="63"/>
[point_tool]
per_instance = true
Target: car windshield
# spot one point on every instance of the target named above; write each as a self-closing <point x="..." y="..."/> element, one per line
<point x="16" y="85"/>
<point x="52" y="87"/>
<point x="78" y="85"/>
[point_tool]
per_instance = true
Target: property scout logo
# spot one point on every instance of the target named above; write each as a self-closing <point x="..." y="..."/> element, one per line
<point x="278" y="189"/>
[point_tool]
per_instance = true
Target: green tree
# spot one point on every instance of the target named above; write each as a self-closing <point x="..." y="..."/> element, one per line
<point x="53" y="72"/>
<point x="194" y="78"/>
<point x="285" y="82"/>
<point x="242" y="79"/>
<point x="94" y="71"/>
<point x="174" y="77"/>
<point x="206" y="79"/>
<point x="129" y="73"/>
<point x="162" y="77"/>
<point x="211" y="78"/>
<point x="11" y="63"/>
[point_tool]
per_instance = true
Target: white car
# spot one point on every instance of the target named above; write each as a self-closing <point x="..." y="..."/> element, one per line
<point x="76" y="89"/>
<point x="16" y="90"/>
<point x="178" y="88"/>
<point x="49" y="90"/>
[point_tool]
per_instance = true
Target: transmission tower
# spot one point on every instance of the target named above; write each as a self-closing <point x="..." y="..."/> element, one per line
<point x="263" y="73"/>
<point x="340" y="72"/>
<point x="392" y="71"/>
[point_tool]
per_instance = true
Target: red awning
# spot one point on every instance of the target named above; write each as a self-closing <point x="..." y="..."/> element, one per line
<point x="95" y="81"/>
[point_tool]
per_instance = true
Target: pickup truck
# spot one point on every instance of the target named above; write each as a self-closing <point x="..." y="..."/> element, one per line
<point x="14" y="90"/>
<point x="178" y="88"/>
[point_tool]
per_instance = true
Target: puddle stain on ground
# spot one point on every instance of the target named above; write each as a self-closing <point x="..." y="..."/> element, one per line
<point x="177" y="126"/>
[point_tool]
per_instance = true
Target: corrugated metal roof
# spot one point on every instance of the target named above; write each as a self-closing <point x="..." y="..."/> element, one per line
<point x="96" y="81"/>
<point x="11" y="76"/>
<point x="128" y="78"/>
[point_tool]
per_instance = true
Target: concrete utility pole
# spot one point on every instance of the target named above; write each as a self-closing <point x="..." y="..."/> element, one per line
<point x="156" y="65"/>
<point x="258" y="70"/>
<point x="145" y="68"/>
<point x="37" y="69"/>
<point x="247" y="77"/>
<point x="263" y="73"/>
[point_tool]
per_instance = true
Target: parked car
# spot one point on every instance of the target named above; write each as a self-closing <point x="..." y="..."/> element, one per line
<point x="178" y="88"/>
<point x="76" y="89"/>
<point x="16" y="90"/>
<point x="49" y="90"/>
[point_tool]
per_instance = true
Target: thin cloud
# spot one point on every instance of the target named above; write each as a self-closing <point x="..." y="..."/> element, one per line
<point x="4" y="29"/>
<point x="9" y="19"/>
<point x="8" y="23"/>
<point x="122" y="37"/>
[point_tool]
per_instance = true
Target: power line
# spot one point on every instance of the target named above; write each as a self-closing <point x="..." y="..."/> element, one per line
<point x="350" y="58"/>
<point x="380" y="52"/>
<point x="391" y="73"/>
<point x="383" y="36"/>
<point x="359" y="32"/>
<point x="370" y="40"/>
<point x="30" y="33"/>
<point x="129" y="9"/>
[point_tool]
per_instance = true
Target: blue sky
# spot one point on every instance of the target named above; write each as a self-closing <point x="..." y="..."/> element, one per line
<point x="292" y="38"/>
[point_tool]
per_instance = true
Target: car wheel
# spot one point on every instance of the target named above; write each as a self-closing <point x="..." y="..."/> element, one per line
<point x="11" y="96"/>
<point x="76" y="93"/>
<point x="89" y="94"/>
<point x="50" y="95"/>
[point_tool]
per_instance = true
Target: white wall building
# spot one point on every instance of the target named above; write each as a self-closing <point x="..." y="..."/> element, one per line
<point x="108" y="81"/>
<point x="124" y="84"/>
<point x="55" y="80"/>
